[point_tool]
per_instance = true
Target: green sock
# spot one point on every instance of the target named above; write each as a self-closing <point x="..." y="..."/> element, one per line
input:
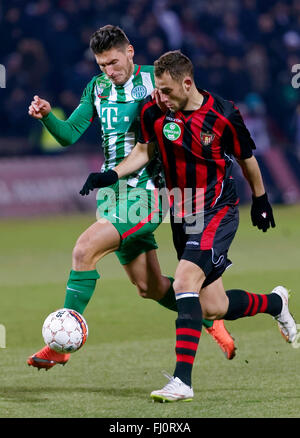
<point x="80" y="288"/>
<point x="169" y="301"/>
<point x="207" y="323"/>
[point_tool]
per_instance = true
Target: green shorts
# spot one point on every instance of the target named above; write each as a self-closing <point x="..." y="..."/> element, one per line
<point x="135" y="212"/>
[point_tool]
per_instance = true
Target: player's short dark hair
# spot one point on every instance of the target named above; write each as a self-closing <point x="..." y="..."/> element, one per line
<point x="108" y="37"/>
<point x="175" y="63"/>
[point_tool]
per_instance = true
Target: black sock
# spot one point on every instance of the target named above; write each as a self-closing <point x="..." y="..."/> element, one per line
<point x="188" y="332"/>
<point x="242" y="303"/>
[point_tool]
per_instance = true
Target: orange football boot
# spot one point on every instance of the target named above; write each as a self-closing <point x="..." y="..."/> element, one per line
<point x="47" y="358"/>
<point x="221" y="335"/>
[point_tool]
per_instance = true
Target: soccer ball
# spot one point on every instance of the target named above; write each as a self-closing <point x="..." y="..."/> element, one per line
<point x="65" y="330"/>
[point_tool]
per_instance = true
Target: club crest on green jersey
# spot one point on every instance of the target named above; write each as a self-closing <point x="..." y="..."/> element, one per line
<point x="139" y="92"/>
<point x="172" y="131"/>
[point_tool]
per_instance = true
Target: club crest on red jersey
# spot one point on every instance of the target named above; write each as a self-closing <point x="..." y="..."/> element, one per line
<point x="207" y="138"/>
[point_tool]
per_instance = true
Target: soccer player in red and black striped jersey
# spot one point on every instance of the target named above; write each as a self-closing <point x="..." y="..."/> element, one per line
<point x="198" y="134"/>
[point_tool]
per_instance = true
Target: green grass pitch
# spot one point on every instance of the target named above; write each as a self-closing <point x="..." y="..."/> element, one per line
<point x="132" y="340"/>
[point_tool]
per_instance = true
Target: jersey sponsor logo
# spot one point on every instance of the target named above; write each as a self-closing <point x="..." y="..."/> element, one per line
<point x="111" y="118"/>
<point x="193" y="243"/>
<point x="173" y="120"/>
<point x="207" y="138"/>
<point x="109" y="115"/>
<point x="172" y="131"/>
<point x="104" y="82"/>
<point x="139" y="92"/>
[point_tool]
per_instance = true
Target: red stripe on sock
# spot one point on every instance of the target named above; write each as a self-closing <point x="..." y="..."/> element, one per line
<point x="256" y="303"/>
<point x="249" y="305"/>
<point x="186" y="344"/>
<point x="189" y="332"/>
<point x="185" y="358"/>
<point x="263" y="307"/>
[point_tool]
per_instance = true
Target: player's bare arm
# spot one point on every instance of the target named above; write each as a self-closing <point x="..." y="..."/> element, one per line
<point x="253" y="175"/>
<point x="140" y="155"/>
<point x="261" y="210"/>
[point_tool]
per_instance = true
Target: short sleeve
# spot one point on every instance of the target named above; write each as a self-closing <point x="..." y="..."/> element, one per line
<point x="149" y="113"/>
<point x="241" y="144"/>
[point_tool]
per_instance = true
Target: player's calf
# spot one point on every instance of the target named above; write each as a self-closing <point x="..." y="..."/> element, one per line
<point x="242" y="303"/>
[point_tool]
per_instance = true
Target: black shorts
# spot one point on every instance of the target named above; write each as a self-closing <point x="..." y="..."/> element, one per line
<point x="209" y="245"/>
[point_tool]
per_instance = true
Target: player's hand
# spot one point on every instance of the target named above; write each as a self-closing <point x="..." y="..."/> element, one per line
<point x="261" y="213"/>
<point x="97" y="180"/>
<point x="162" y="106"/>
<point x="39" y="108"/>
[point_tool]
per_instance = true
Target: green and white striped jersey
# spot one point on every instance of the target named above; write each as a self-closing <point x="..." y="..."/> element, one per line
<point x="118" y="108"/>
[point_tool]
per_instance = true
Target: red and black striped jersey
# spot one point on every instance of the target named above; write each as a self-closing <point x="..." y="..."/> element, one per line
<point x="196" y="147"/>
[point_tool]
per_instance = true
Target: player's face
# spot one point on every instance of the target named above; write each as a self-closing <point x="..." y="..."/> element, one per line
<point x="117" y="64"/>
<point x="172" y="93"/>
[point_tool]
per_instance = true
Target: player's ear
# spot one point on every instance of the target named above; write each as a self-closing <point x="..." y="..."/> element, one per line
<point x="130" y="51"/>
<point x="187" y="83"/>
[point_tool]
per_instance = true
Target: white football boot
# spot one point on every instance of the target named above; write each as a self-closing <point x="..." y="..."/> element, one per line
<point x="174" y="390"/>
<point x="286" y="322"/>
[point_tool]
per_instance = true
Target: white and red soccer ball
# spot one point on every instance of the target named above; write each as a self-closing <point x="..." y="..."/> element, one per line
<point x="65" y="330"/>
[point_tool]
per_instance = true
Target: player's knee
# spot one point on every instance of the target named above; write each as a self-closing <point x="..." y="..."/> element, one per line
<point x="183" y="285"/>
<point x="188" y="283"/>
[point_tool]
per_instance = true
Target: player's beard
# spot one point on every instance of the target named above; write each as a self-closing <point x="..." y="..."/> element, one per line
<point x="179" y="105"/>
<point x="124" y="75"/>
<point x="183" y="103"/>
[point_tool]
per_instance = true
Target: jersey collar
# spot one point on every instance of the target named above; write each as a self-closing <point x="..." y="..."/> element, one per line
<point x="203" y="108"/>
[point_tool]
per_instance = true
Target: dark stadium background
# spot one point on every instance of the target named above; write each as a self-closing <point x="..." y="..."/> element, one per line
<point x="243" y="50"/>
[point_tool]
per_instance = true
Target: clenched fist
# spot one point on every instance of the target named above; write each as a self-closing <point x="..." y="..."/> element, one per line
<point x="39" y="108"/>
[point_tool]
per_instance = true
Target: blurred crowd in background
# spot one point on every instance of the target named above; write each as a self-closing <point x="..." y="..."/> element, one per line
<point x="243" y="50"/>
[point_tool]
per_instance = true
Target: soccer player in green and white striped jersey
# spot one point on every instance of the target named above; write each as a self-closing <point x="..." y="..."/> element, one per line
<point x="114" y="97"/>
